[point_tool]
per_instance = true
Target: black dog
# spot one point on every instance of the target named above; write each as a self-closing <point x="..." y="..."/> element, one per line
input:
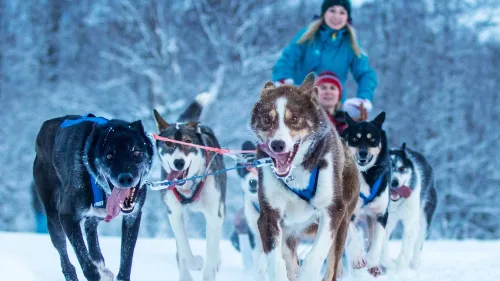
<point x="368" y="142"/>
<point x="88" y="168"/>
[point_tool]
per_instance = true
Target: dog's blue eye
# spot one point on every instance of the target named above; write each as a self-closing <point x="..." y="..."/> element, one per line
<point x="372" y="140"/>
<point x="109" y="156"/>
<point x="355" y="139"/>
<point x="137" y="153"/>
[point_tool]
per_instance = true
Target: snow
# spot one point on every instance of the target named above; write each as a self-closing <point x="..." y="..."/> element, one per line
<point x="31" y="257"/>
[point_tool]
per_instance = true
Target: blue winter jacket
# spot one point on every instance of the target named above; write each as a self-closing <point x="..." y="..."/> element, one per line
<point x="326" y="53"/>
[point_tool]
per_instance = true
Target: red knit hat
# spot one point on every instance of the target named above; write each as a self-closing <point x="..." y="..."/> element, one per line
<point x="329" y="77"/>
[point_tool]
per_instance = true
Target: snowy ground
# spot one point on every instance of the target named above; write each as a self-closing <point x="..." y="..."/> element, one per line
<point x="31" y="257"/>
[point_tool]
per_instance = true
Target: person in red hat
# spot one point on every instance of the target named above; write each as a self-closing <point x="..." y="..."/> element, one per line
<point x="329" y="97"/>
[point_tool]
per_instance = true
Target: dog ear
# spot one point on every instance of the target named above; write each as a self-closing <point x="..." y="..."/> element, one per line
<point x="314" y="92"/>
<point x="268" y="86"/>
<point x="248" y="145"/>
<point x="348" y="119"/>
<point x="308" y="83"/>
<point x="160" y="122"/>
<point x="403" y="147"/>
<point x="138" y="125"/>
<point x="379" y="120"/>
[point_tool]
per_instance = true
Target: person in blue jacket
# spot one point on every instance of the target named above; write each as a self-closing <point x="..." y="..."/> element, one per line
<point x="329" y="43"/>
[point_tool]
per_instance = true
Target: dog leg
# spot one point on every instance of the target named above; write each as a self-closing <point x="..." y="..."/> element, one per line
<point x="291" y="258"/>
<point x="410" y="234"/>
<point x="386" y="259"/>
<point x="259" y="263"/>
<point x="184" y="254"/>
<point x="258" y="259"/>
<point x="214" y="228"/>
<point x="417" y="250"/>
<point x="93" y="245"/>
<point x="335" y="262"/>
<point x="71" y="226"/>
<point x="375" y="252"/>
<point x="130" y="230"/>
<point x="272" y="237"/>
<point x="311" y="266"/>
<point x="58" y="238"/>
<point x="355" y="253"/>
<point x="91" y="224"/>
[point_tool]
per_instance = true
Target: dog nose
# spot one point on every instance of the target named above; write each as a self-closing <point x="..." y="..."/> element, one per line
<point x="363" y="153"/>
<point x="395" y="183"/>
<point x="179" y="164"/>
<point x="278" y="146"/>
<point x="125" y="179"/>
<point x="253" y="185"/>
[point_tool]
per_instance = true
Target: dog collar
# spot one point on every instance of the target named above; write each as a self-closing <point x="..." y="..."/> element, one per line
<point x="307" y="193"/>
<point x="373" y="191"/>
<point x="98" y="194"/>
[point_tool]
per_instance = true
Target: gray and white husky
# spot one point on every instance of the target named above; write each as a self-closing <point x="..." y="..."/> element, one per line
<point x="413" y="202"/>
<point x="181" y="162"/>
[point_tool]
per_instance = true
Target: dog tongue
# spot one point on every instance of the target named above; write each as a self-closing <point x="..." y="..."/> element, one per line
<point x="404" y="191"/>
<point x="173" y="175"/>
<point x="117" y="196"/>
<point x="280" y="158"/>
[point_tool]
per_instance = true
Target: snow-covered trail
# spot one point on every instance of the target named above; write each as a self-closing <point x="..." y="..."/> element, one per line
<point x="31" y="257"/>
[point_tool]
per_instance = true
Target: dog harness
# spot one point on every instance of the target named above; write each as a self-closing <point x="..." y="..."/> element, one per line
<point x="186" y="200"/>
<point x="98" y="194"/>
<point x="256" y="206"/>
<point x="308" y="193"/>
<point x="373" y="192"/>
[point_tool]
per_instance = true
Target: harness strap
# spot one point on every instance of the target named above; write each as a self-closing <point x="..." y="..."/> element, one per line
<point x="308" y="193"/>
<point x="373" y="192"/>
<point x="256" y="206"/>
<point x="89" y="118"/>
<point x="186" y="200"/>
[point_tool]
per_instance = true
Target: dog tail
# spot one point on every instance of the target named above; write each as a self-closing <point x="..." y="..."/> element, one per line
<point x="193" y="111"/>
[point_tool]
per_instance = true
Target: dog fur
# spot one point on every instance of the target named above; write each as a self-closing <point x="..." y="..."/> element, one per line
<point x="413" y="202"/>
<point x="181" y="161"/>
<point x="296" y="133"/>
<point x="119" y="156"/>
<point x="368" y="142"/>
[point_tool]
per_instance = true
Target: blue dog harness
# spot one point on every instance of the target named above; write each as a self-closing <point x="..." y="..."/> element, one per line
<point x="373" y="192"/>
<point x="307" y="193"/>
<point x="256" y="206"/>
<point x="98" y="193"/>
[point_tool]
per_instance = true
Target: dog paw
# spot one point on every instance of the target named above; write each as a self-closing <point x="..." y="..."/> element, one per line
<point x="209" y="274"/>
<point x="106" y="275"/>
<point x="359" y="263"/>
<point x="375" y="271"/>
<point x="219" y="263"/>
<point x="196" y="263"/>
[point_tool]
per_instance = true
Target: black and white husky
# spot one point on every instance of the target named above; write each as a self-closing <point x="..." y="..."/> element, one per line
<point x="413" y="202"/>
<point x="207" y="196"/>
<point x="251" y="209"/>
